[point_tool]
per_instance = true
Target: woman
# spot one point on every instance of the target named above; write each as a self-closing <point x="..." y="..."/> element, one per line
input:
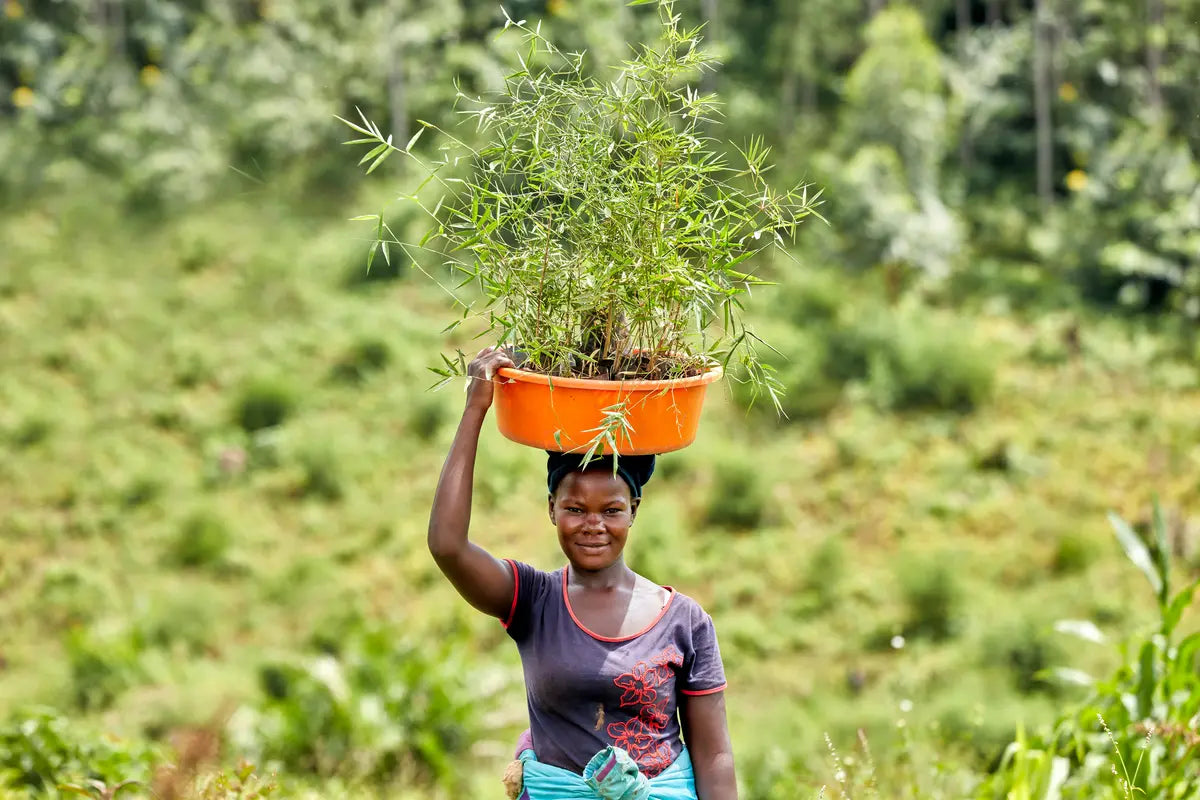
<point x="619" y="672"/>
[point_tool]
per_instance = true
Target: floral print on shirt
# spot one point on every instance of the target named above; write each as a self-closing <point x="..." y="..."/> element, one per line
<point x="639" y="736"/>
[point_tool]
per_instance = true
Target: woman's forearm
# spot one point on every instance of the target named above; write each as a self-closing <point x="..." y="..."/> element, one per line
<point x="450" y="519"/>
<point x="715" y="777"/>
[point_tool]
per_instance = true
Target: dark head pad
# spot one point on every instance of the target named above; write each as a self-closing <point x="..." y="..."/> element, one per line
<point x="634" y="470"/>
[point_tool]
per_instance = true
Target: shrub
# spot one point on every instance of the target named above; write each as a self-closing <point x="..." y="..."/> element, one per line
<point x="1135" y="735"/>
<point x="263" y="404"/>
<point x="364" y="357"/>
<point x="70" y="595"/>
<point x="800" y="363"/>
<point x="1026" y="650"/>
<point x="426" y="417"/>
<point x="31" y="431"/>
<point x="321" y="475"/>
<point x="922" y="364"/>
<point x="202" y="541"/>
<point x="738" y="499"/>
<point x="371" y="705"/>
<point x="104" y="663"/>
<point x="41" y="750"/>
<point x="907" y="358"/>
<point x="932" y="595"/>
<point x="826" y="570"/>
<point x="195" y="252"/>
<point x="185" y="617"/>
<point x="1073" y="553"/>
<point x="141" y="490"/>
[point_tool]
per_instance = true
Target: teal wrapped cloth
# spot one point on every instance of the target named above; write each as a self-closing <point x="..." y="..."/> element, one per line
<point x="610" y="775"/>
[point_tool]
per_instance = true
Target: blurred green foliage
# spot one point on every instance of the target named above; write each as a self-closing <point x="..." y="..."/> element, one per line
<point x="215" y="428"/>
<point x="40" y="750"/>
<point x="369" y="705"/>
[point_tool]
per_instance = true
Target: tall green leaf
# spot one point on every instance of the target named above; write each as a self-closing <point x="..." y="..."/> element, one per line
<point x="1137" y="551"/>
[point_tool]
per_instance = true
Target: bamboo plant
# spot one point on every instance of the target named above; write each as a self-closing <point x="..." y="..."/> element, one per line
<point x="605" y="231"/>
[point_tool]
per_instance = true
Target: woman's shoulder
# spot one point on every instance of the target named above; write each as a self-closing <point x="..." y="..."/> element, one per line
<point x="686" y="607"/>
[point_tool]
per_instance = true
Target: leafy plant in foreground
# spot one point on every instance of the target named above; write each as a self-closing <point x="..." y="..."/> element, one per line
<point x="370" y="706"/>
<point x="42" y="751"/>
<point x="1136" y="736"/>
<point x="603" y="228"/>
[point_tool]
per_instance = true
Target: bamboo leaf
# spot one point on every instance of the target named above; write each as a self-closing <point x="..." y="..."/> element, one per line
<point x="1071" y="676"/>
<point x="1179" y="604"/>
<point x="1147" y="679"/>
<point x="1082" y="629"/>
<point x="1136" y="550"/>
<point x="361" y="130"/>
<point x="372" y="153"/>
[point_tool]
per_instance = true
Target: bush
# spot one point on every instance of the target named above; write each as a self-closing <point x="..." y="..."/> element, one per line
<point x="1073" y="553"/>
<point x="322" y="477"/>
<point x="40" y="750"/>
<point x="31" y="431"/>
<point x="826" y="570"/>
<point x="1135" y="735"/>
<point x="932" y="597"/>
<point x="907" y="358"/>
<point x="369" y="705"/>
<point x="1026" y="651"/>
<point x="195" y="251"/>
<point x="183" y="618"/>
<point x="104" y="663"/>
<point x="801" y="364"/>
<point x="923" y="364"/>
<point x="263" y="404"/>
<point x="202" y="541"/>
<point x="363" y="358"/>
<point x="426" y="417"/>
<point x="70" y="595"/>
<point x="739" y="498"/>
<point x="142" y="490"/>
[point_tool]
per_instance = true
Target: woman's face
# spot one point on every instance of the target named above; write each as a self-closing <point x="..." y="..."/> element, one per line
<point x="592" y="511"/>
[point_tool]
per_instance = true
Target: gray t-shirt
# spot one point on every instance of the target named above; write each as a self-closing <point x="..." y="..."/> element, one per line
<point x="587" y="692"/>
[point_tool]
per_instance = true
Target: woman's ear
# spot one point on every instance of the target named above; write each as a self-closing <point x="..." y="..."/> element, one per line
<point x="633" y="507"/>
<point x="550" y="507"/>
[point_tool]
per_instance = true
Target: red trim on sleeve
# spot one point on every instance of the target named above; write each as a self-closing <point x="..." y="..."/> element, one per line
<point x="703" y="692"/>
<point x="516" y="591"/>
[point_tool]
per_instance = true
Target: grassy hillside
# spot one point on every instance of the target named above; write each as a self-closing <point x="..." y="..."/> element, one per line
<point x="219" y="451"/>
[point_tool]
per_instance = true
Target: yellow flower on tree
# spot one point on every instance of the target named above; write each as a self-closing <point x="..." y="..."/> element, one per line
<point x="151" y="75"/>
<point x="1068" y="93"/>
<point x="22" y="97"/>
<point x="1077" y="180"/>
<point x="556" y="7"/>
<point x="13" y="9"/>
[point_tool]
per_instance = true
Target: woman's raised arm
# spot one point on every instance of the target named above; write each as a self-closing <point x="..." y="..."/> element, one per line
<point x="483" y="580"/>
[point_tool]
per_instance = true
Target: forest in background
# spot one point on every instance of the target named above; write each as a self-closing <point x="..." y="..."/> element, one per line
<point x="219" y="450"/>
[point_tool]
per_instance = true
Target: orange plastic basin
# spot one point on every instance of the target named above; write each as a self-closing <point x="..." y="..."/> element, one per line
<point x="563" y="414"/>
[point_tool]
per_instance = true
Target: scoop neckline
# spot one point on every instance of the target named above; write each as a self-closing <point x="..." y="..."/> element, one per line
<point x="662" y="613"/>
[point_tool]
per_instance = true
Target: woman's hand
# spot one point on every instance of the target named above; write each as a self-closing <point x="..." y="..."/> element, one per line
<point x="481" y="372"/>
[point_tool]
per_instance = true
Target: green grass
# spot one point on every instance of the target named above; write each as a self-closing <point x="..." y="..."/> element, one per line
<point x="187" y="495"/>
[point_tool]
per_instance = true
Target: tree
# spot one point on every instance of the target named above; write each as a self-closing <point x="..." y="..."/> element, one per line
<point x="1042" y="89"/>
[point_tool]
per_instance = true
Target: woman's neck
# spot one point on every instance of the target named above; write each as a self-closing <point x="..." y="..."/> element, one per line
<point x="615" y="576"/>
